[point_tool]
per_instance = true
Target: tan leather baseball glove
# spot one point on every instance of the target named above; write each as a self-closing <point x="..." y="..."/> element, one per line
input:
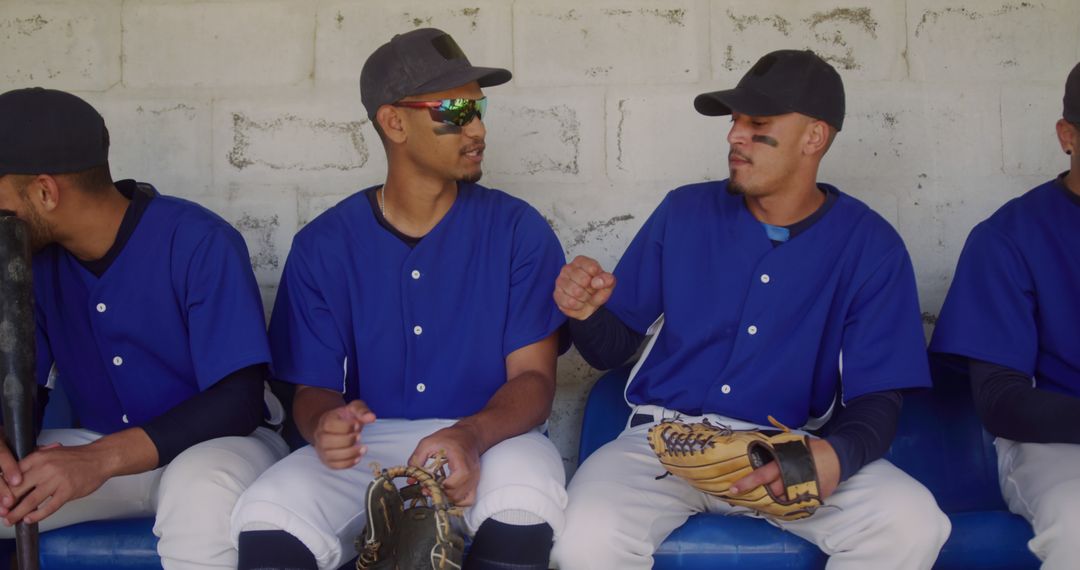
<point x="712" y="457"/>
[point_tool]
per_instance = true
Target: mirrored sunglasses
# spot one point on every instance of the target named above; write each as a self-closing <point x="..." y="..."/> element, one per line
<point x="458" y="112"/>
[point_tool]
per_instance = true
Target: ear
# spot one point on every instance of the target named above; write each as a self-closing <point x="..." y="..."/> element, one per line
<point x="1068" y="136"/>
<point x="44" y="191"/>
<point x="816" y="137"/>
<point x="392" y="124"/>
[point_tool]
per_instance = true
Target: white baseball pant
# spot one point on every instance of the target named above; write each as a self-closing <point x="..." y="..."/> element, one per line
<point x="191" y="498"/>
<point x="1041" y="482"/>
<point x="324" y="508"/>
<point x="619" y="512"/>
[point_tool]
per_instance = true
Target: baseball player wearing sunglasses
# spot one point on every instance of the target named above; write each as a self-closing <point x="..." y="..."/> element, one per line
<point x="415" y="318"/>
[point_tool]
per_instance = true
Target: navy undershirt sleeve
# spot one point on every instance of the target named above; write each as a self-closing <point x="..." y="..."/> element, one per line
<point x="1011" y="407"/>
<point x="603" y="340"/>
<point x="232" y="406"/>
<point x="862" y="430"/>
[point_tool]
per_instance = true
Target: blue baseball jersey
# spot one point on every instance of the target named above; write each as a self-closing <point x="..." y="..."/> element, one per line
<point x="176" y="311"/>
<point x="753" y="330"/>
<point x="1015" y="298"/>
<point x="416" y="332"/>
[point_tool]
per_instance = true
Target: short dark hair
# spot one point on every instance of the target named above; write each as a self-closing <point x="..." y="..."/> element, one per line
<point x="94" y="179"/>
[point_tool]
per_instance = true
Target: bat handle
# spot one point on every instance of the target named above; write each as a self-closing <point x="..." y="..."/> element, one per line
<point x="26" y="545"/>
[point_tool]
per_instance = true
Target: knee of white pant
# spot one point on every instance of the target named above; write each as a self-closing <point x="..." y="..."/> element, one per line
<point x="196" y="495"/>
<point x="913" y="520"/>
<point x="596" y="533"/>
<point x="1056" y="521"/>
<point x="547" y="504"/>
<point x="283" y="500"/>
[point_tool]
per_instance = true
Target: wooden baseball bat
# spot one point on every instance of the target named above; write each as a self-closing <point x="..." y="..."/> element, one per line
<point x="17" y="355"/>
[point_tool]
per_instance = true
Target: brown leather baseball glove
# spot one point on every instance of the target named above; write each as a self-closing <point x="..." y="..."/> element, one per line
<point x="712" y="458"/>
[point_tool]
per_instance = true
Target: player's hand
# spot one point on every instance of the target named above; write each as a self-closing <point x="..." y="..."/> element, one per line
<point x="463" y="455"/>
<point x="582" y="287"/>
<point x="825" y="461"/>
<point x="337" y="436"/>
<point x="12" y="476"/>
<point x="52" y="476"/>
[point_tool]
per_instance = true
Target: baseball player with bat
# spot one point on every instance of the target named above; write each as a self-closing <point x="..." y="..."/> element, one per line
<point x="415" y="319"/>
<point x="782" y="299"/>
<point x="147" y="310"/>
<point x="1012" y="315"/>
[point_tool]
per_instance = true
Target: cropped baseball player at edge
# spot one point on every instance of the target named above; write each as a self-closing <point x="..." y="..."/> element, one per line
<point x="148" y="308"/>
<point x="416" y="316"/>
<point x="781" y="296"/>
<point x="1013" y="315"/>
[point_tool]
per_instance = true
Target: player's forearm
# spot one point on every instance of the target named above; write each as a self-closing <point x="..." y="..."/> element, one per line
<point x="309" y="404"/>
<point x="125" y="453"/>
<point x="517" y="407"/>
<point x="1012" y="408"/>
<point x="863" y="430"/>
<point x="603" y="340"/>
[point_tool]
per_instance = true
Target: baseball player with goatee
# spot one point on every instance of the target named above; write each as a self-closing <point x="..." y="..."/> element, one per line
<point x="780" y="296"/>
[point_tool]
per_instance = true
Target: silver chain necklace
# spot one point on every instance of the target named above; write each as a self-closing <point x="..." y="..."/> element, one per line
<point x="382" y="201"/>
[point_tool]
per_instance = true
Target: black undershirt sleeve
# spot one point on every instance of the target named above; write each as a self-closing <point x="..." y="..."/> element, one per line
<point x="603" y="340"/>
<point x="863" y="430"/>
<point x="1011" y="407"/>
<point x="232" y="406"/>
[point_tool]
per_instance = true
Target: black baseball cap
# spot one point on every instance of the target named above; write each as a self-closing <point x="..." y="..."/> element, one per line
<point x="784" y="81"/>
<point x="45" y="131"/>
<point x="420" y="61"/>
<point x="1072" y="96"/>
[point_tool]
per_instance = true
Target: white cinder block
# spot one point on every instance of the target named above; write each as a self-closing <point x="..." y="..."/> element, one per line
<point x="324" y="144"/>
<point x="163" y="141"/>
<point x="311" y="205"/>
<point x="991" y="39"/>
<point x="657" y="135"/>
<point x="266" y="215"/>
<point x="936" y="217"/>
<point x="863" y="40"/>
<point x="633" y="41"/>
<point x="897" y="129"/>
<point x="1029" y="112"/>
<point x="349" y="31"/>
<point x="590" y="219"/>
<point x="549" y="135"/>
<point x="64" y="45"/>
<point x="208" y="44"/>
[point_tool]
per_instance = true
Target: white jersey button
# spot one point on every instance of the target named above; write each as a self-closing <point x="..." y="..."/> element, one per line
<point x="124" y="418"/>
<point x="751" y="329"/>
<point x="765" y="277"/>
<point x="417" y="330"/>
<point x="415" y="274"/>
<point x="117" y="361"/>
<point x="420" y="387"/>
<point x="725" y="389"/>
<point x="101" y="307"/>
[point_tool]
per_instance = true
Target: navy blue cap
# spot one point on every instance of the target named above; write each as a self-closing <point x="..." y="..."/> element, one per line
<point x="784" y="81"/>
<point x="45" y="131"/>
<point x="421" y="61"/>
<point x="1072" y="96"/>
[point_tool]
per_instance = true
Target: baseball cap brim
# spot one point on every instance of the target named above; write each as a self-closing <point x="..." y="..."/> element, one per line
<point x="739" y="99"/>
<point x="485" y="76"/>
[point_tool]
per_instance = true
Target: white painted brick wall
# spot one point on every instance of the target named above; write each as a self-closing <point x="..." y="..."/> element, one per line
<point x="73" y="45"/>
<point x="253" y="107"/>
<point x="207" y="44"/>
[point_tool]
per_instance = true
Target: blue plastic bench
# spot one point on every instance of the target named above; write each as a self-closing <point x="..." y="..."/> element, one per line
<point x="939" y="441"/>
